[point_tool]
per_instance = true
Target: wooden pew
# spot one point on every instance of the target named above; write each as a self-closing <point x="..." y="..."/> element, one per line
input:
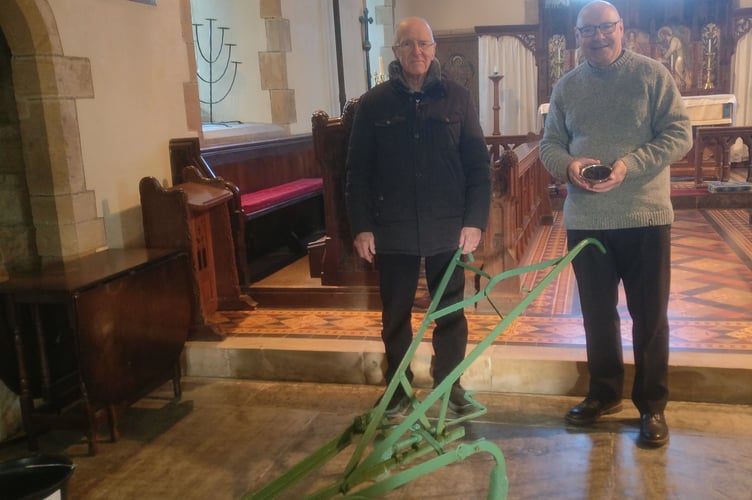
<point x="277" y="190"/>
<point x="520" y="204"/>
<point x="339" y="265"/>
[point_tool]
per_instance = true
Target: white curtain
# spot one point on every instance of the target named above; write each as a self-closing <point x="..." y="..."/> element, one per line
<point x="741" y="85"/>
<point x="518" y="90"/>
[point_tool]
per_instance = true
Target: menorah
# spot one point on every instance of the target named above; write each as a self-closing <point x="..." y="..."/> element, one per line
<point x="211" y="59"/>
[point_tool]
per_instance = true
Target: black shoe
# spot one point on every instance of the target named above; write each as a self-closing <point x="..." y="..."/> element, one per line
<point x="458" y="403"/>
<point x="397" y="405"/>
<point x="653" y="430"/>
<point x="591" y="410"/>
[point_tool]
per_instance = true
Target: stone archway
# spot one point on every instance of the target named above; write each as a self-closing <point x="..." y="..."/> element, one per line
<point x="46" y="84"/>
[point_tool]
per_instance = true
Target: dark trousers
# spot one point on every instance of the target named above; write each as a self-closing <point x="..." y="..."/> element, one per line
<point x="399" y="281"/>
<point x="641" y="259"/>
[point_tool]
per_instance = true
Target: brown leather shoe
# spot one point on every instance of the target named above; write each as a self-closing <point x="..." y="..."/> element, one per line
<point x="653" y="430"/>
<point x="591" y="410"/>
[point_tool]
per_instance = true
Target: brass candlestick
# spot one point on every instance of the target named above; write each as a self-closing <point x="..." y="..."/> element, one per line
<point x="709" y="72"/>
<point x="710" y="44"/>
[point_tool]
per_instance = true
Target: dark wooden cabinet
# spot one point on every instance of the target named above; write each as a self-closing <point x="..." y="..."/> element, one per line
<point x="82" y="340"/>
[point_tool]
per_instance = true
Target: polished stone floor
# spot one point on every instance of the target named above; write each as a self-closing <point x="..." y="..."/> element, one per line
<point x="227" y="437"/>
<point x="286" y="382"/>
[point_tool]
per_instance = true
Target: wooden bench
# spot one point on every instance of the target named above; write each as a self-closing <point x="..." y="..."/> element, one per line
<point x="259" y="203"/>
<point x="278" y="196"/>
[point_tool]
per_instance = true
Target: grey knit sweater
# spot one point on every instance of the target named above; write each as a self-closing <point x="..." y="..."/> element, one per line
<point x="630" y="110"/>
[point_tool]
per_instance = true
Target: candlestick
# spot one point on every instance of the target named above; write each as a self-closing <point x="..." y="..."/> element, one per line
<point x="496" y="70"/>
<point x="381" y="65"/>
<point x="709" y="69"/>
<point x="496" y="106"/>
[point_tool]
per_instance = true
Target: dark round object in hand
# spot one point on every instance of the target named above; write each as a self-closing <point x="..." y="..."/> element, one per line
<point x="596" y="173"/>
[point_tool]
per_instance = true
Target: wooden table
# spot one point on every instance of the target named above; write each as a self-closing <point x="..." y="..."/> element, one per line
<point x="81" y="340"/>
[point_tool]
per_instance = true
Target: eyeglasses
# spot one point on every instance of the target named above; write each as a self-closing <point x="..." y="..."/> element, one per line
<point x="420" y="44"/>
<point x="588" y="31"/>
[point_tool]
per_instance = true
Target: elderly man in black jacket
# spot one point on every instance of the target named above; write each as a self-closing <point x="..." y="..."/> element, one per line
<point x="418" y="187"/>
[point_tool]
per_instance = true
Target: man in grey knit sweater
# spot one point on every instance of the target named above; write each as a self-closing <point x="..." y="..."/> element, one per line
<point x="623" y="110"/>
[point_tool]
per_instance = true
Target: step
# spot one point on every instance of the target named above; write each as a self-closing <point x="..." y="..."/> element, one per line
<point x="694" y="376"/>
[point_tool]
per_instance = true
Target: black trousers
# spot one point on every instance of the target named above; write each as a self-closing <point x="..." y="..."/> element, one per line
<point x="398" y="283"/>
<point x="641" y="259"/>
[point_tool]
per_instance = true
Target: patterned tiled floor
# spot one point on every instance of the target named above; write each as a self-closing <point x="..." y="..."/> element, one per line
<point x="709" y="309"/>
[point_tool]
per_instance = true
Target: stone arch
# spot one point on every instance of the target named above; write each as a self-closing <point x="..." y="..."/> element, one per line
<point x="46" y="85"/>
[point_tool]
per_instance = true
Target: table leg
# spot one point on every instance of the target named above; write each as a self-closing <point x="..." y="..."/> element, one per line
<point x="177" y="387"/>
<point x="25" y="397"/>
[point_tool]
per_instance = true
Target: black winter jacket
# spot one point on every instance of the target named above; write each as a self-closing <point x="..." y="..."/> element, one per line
<point x="417" y="166"/>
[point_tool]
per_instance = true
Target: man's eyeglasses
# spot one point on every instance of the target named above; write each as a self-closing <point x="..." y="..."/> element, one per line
<point x="420" y="44"/>
<point x="605" y="28"/>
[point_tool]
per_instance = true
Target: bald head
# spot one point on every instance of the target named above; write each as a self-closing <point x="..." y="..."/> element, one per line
<point x="415" y="49"/>
<point x="409" y="24"/>
<point x="596" y="7"/>
<point x="599" y="33"/>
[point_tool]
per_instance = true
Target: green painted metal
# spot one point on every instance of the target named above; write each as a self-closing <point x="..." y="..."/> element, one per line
<point x="383" y="449"/>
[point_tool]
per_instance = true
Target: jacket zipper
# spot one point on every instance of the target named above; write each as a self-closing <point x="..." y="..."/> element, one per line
<point x="416" y="129"/>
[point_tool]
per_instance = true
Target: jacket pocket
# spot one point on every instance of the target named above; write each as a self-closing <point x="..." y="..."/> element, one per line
<point x="444" y="130"/>
<point x="390" y="134"/>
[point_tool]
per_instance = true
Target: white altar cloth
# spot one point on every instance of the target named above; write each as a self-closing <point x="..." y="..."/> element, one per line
<point x="716" y="109"/>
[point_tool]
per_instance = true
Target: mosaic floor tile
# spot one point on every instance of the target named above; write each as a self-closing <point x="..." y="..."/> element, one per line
<point x="709" y="309"/>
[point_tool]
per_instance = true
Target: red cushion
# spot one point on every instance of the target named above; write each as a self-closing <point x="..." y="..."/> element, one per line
<point x="265" y="198"/>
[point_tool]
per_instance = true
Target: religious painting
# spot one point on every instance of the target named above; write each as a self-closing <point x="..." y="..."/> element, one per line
<point x="557" y="48"/>
<point x="673" y="43"/>
<point x="637" y="41"/>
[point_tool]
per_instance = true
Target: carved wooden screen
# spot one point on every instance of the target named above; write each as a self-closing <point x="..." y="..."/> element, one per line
<point x="693" y="38"/>
<point x="458" y="56"/>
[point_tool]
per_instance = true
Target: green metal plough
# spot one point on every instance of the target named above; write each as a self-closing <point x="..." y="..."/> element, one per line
<point x="384" y="449"/>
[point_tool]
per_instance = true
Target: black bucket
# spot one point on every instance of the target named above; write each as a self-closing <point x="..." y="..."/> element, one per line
<point x="35" y="478"/>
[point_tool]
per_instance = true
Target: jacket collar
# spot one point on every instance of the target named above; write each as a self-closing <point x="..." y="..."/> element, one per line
<point x="431" y="85"/>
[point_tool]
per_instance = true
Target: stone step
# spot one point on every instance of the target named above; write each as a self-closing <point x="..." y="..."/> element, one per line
<point x="695" y="376"/>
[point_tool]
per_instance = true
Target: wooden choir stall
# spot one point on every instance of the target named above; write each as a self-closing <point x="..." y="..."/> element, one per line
<point x="194" y="216"/>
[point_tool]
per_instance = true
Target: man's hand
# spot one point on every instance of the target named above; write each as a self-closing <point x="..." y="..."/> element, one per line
<point x="469" y="239"/>
<point x="365" y="245"/>
<point x="574" y="173"/>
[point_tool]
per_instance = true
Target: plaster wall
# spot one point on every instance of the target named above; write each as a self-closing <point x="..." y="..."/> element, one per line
<point x="139" y="67"/>
<point x="449" y="15"/>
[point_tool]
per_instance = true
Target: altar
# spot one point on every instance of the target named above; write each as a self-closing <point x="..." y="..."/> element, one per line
<point x="704" y="110"/>
<point x="717" y="109"/>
